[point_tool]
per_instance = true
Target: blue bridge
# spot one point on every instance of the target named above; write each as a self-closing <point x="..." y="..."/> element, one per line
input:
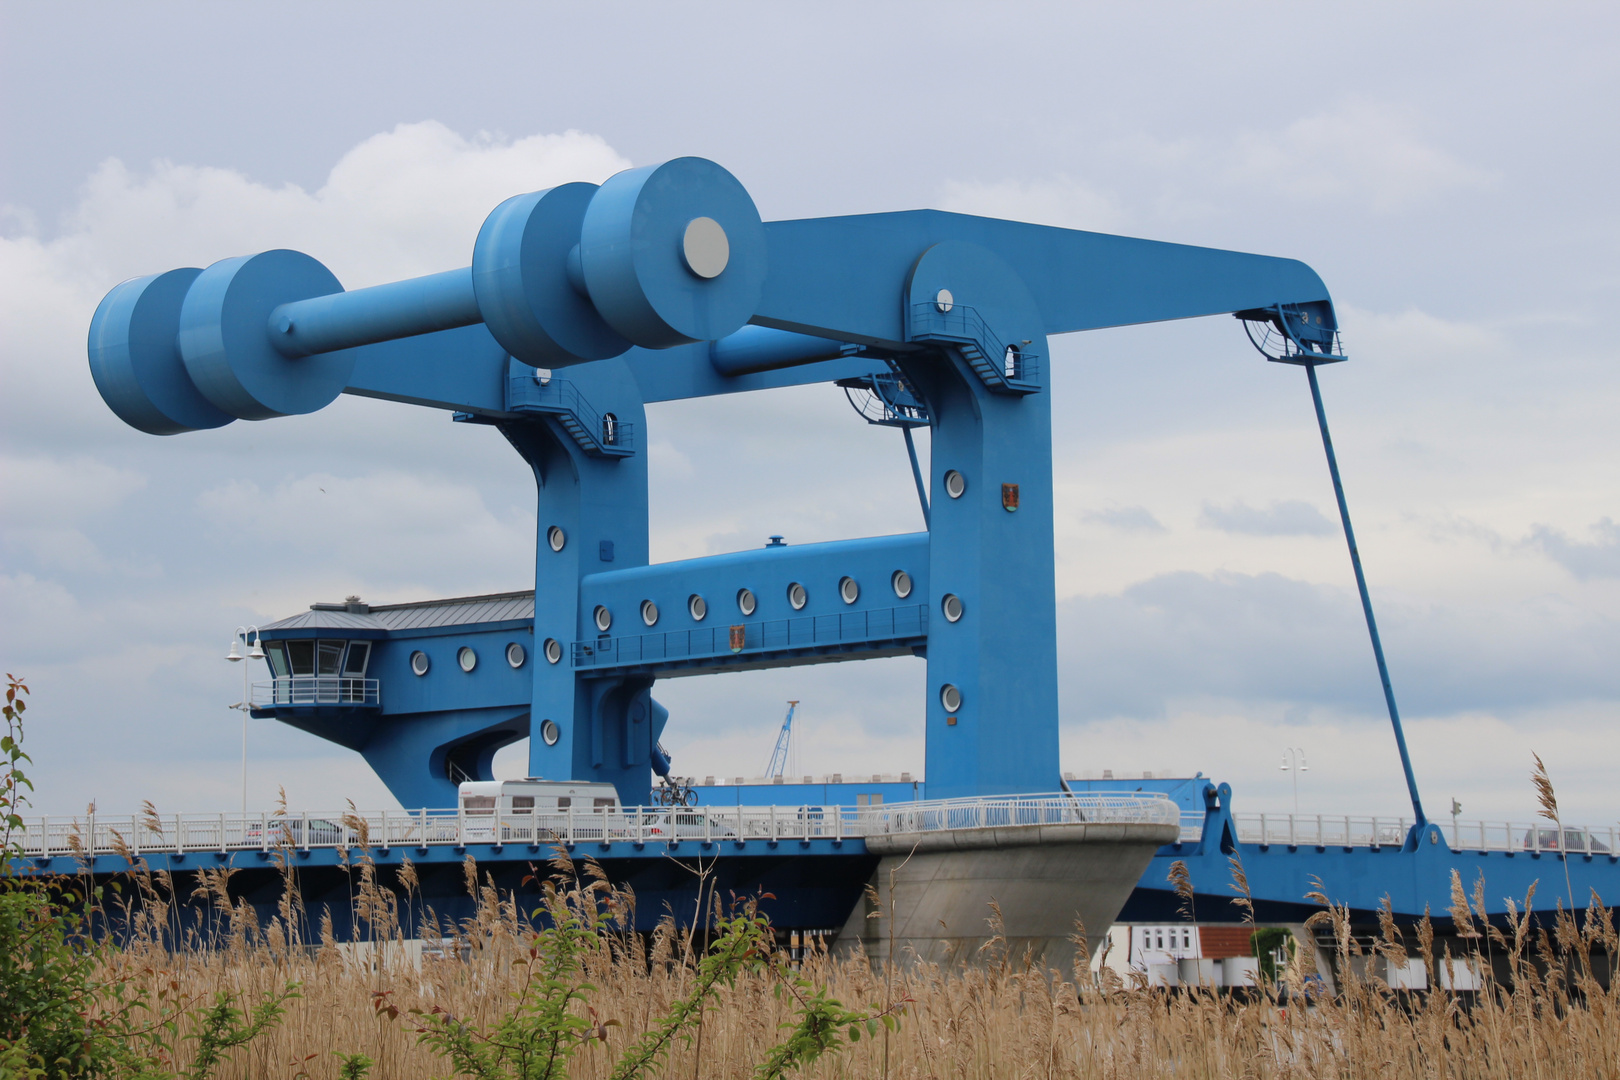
<point x="582" y="305"/>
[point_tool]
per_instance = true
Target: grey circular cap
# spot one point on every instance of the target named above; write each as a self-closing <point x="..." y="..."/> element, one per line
<point x="944" y="300"/>
<point x="901" y="582"/>
<point x="515" y="654"/>
<point x="603" y="617"/>
<point x="550" y="732"/>
<point x="419" y="663"/>
<point x="556" y="537"/>
<point x="950" y="697"/>
<point x="955" y="484"/>
<point x="466" y="658"/>
<point x="705" y="247"/>
<point x="951" y="605"/>
<point x="553" y="650"/>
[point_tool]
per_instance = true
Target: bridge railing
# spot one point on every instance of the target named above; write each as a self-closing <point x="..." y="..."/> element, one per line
<point x="316" y="690"/>
<point x="766" y="635"/>
<point x="985" y="813"/>
<point x="153" y="834"/>
<point x="1355" y="830"/>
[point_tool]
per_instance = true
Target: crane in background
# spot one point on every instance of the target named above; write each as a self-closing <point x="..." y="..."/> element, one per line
<point x="779" y="756"/>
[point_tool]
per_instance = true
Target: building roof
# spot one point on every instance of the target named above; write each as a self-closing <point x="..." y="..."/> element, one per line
<point x="454" y="611"/>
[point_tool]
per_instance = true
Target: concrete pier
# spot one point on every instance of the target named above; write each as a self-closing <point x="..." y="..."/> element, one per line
<point x="934" y="889"/>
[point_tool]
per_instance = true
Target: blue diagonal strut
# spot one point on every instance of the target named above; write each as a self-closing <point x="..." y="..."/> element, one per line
<point x="1366" y="601"/>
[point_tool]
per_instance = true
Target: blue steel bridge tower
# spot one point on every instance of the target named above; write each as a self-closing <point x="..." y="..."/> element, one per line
<point x="584" y="303"/>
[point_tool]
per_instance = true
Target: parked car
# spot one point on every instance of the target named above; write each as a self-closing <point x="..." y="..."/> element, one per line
<point x="290" y="831"/>
<point x="686" y="825"/>
<point x="1575" y="840"/>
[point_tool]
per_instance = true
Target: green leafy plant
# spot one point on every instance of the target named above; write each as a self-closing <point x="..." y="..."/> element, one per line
<point x="59" y="1016"/>
<point x="46" y="968"/>
<point x="741" y="941"/>
<point x="538" y="1038"/>
<point x="222" y="1027"/>
<point x="354" y="1066"/>
<point x="1267" y="942"/>
<point x="823" y="1024"/>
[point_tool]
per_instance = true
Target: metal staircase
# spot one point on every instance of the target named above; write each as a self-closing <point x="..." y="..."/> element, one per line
<point x="1006" y="369"/>
<point x="598" y="434"/>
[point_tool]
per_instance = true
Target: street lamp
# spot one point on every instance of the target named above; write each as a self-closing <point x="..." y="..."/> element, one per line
<point x="1294" y="761"/>
<point x="246" y="704"/>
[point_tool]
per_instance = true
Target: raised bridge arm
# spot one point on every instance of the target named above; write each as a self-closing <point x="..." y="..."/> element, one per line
<point x="666" y="266"/>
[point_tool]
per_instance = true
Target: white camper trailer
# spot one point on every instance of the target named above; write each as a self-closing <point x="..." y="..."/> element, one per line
<point x="531" y="810"/>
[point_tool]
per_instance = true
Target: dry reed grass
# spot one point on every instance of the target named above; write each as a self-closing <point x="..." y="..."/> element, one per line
<point x="998" y="1019"/>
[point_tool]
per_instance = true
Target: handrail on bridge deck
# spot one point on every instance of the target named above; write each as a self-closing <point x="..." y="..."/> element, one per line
<point x="136" y="835"/>
<point x="1373" y="831"/>
<point x="316" y="690"/>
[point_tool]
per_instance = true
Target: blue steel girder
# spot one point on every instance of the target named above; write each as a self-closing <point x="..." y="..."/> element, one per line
<point x="663" y="284"/>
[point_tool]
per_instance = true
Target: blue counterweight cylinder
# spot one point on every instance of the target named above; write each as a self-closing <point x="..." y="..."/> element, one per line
<point x="661" y="256"/>
<point x="135" y="359"/>
<point x="673" y="253"/>
<point x="529" y="299"/>
<point x="225" y="340"/>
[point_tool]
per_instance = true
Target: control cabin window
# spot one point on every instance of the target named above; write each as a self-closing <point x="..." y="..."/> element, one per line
<point x="277" y="653"/>
<point x="301" y="657"/>
<point x="328" y="657"/>
<point x="354" y="665"/>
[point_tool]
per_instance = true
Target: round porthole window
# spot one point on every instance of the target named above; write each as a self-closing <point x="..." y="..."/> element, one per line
<point x="951" y="605"/>
<point x="649" y="613"/>
<point x="849" y="590"/>
<point x="746" y="602"/>
<point x="950" y="697"/>
<point x="603" y="618"/>
<point x="556" y="537"/>
<point x="901" y="582"/>
<point x="419" y="663"/>
<point x="553" y="649"/>
<point x="697" y="607"/>
<point x="550" y="732"/>
<point x="797" y="596"/>
<point x="466" y="658"/>
<point x="955" y="483"/>
<point x="515" y="655"/>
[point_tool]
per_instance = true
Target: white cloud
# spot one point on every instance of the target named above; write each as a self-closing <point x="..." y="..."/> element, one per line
<point x="1598" y="558"/>
<point x="55" y="491"/>
<point x="1363" y="151"/>
<point x="1059" y="200"/>
<point x="401" y="203"/>
<point x="1125" y="518"/>
<point x="1284" y="517"/>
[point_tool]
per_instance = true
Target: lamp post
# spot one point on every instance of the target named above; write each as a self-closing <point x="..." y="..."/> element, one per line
<point x="246" y="704"/>
<point x="1294" y="761"/>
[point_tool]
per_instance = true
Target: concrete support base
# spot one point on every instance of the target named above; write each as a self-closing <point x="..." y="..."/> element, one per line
<point x="934" y="891"/>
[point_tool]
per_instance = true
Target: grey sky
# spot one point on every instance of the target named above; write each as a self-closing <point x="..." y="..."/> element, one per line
<point x="1448" y="169"/>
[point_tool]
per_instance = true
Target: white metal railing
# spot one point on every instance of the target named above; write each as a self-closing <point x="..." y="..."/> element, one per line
<point x="1354" y="830"/>
<point x="1056" y="809"/>
<point x="316" y="690"/>
<point x="104" y="834"/>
